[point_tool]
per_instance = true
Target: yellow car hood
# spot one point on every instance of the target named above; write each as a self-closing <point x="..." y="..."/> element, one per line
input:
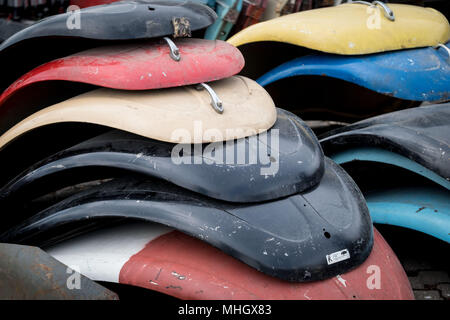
<point x="352" y="29"/>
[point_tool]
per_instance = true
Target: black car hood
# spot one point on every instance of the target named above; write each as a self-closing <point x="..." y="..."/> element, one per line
<point x="283" y="161"/>
<point x="420" y="134"/>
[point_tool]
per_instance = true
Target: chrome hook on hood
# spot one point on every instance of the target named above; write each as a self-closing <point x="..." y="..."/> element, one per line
<point x="388" y="13"/>
<point x="215" y="101"/>
<point x="174" y="51"/>
<point x="441" y="45"/>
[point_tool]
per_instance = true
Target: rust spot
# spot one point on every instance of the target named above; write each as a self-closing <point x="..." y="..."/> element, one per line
<point x="181" y="27"/>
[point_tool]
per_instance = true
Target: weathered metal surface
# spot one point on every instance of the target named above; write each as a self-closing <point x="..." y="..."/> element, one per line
<point x="140" y="66"/>
<point x="160" y="259"/>
<point x="29" y="273"/>
<point x="298" y="163"/>
<point x="182" y="114"/>
<point x="352" y="29"/>
<point x="421" y="208"/>
<point x="417" y="74"/>
<point x="309" y="236"/>
<point x="63" y="34"/>
<point x="420" y="134"/>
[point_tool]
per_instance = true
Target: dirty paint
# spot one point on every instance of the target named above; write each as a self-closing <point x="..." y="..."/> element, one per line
<point x="214" y="275"/>
<point x="132" y="66"/>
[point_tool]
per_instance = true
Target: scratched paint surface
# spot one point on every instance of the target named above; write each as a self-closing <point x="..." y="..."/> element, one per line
<point x="140" y="66"/>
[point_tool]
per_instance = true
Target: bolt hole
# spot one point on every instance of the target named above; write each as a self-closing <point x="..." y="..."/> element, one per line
<point x="151" y="9"/>
<point x="327" y="235"/>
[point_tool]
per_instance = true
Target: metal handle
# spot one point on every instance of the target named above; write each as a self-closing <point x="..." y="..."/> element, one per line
<point x="388" y="13"/>
<point x="215" y="101"/>
<point x="174" y="51"/>
<point x="440" y="45"/>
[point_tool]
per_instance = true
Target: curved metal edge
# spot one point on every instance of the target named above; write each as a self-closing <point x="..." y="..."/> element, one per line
<point x="216" y="103"/>
<point x="388" y="157"/>
<point x="431" y="216"/>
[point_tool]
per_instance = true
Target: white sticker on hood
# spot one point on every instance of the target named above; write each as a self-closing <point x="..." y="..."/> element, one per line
<point x="338" y="256"/>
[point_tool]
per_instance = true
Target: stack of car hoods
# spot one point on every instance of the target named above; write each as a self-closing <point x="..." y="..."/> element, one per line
<point x="369" y="58"/>
<point x="125" y="117"/>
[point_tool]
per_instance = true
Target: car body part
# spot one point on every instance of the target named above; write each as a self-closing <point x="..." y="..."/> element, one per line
<point x="134" y="66"/>
<point x="416" y="139"/>
<point x="63" y="34"/>
<point x="161" y="259"/>
<point x="410" y="144"/>
<point x="418" y="74"/>
<point x="29" y="273"/>
<point x="178" y="115"/>
<point x="380" y="155"/>
<point x="344" y="29"/>
<point x="425" y="209"/>
<point x="285" y="160"/>
<point x="309" y="236"/>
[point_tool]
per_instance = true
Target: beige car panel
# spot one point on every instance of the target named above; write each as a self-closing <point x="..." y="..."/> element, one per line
<point x="182" y="114"/>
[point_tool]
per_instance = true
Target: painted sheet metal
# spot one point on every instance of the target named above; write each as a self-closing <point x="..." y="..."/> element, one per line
<point x="182" y="114"/>
<point x="139" y="66"/>
<point x="63" y="34"/>
<point x="226" y="172"/>
<point x="352" y="29"/>
<point x="160" y="259"/>
<point x="136" y="66"/>
<point x="124" y="20"/>
<point x="228" y="13"/>
<point x="383" y="156"/>
<point x="425" y="209"/>
<point x="417" y="74"/>
<point x="29" y="273"/>
<point x="420" y="134"/>
<point x="314" y="235"/>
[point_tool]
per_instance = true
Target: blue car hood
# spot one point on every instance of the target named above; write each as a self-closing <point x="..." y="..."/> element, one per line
<point x="418" y="74"/>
